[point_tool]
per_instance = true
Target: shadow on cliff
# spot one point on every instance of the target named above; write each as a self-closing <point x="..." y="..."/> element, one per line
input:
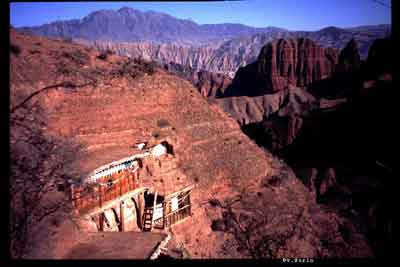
<point x="281" y="63"/>
<point x="247" y="82"/>
<point x="353" y="141"/>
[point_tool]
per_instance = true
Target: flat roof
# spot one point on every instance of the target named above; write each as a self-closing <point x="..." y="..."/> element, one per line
<point x="116" y="245"/>
<point x="89" y="161"/>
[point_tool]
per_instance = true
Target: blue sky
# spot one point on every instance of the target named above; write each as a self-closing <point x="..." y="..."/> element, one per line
<point x="289" y="14"/>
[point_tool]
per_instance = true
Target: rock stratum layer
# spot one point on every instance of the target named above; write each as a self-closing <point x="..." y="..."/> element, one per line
<point x="296" y="62"/>
<point x="227" y="56"/>
<point x="246" y="204"/>
<point x="325" y="143"/>
<point x="209" y="84"/>
<point x="219" y="48"/>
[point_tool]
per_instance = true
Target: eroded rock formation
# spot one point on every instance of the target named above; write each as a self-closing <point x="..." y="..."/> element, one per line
<point x="296" y="62"/>
<point x="349" y="58"/>
<point x="224" y="47"/>
<point x="328" y="153"/>
<point x="105" y="107"/>
<point x="209" y="84"/>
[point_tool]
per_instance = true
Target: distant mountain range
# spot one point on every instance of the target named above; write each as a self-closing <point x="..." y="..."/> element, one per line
<point x="220" y="48"/>
<point x="131" y="25"/>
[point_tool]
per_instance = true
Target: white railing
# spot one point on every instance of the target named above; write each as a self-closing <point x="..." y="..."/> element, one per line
<point x="124" y="163"/>
<point x="111" y="170"/>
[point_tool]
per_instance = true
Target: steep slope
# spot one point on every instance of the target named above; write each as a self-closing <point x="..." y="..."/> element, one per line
<point x="209" y="84"/>
<point x="349" y="58"/>
<point x="342" y="149"/>
<point x="104" y="106"/>
<point x="291" y="77"/>
<point x="245" y="109"/>
<point x="211" y="58"/>
<point x="296" y="62"/>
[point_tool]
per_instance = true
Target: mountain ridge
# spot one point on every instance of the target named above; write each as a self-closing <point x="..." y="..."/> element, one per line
<point x="227" y="56"/>
<point x="126" y="20"/>
<point x="121" y="25"/>
<point x="107" y="105"/>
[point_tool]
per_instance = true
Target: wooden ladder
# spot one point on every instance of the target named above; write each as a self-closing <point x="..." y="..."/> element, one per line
<point x="148" y="216"/>
<point x="147" y="219"/>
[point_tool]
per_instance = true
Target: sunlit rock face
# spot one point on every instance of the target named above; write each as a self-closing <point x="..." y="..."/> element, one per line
<point x="246" y="202"/>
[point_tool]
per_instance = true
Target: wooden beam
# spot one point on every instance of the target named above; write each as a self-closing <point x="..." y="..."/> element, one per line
<point x="120" y="185"/>
<point x="177" y="211"/>
<point x="101" y="222"/>
<point x="154" y="209"/>
<point x="140" y="209"/>
<point x="190" y="205"/>
<point x="100" y="195"/>
<point x="190" y="187"/>
<point x="162" y="245"/>
<point x="121" y="214"/>
<point x="113" y="202"/>
<point x="164" y="212"/>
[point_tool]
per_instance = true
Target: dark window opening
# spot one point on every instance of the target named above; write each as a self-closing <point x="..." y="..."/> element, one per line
<point x="169" y="147"/>
<point x="149" y="199"/>
<point x="60" y="187"/>
<point x="110" y="183"/>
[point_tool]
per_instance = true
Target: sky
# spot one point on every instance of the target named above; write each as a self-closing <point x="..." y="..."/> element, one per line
<point x="289" y="14"/>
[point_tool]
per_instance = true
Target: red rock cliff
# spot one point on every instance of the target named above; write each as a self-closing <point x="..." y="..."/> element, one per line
<point x="280" y="63"/>
<point x="297" y="62"/>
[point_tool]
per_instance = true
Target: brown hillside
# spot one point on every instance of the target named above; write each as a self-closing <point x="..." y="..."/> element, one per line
<point x="247" y="203"/>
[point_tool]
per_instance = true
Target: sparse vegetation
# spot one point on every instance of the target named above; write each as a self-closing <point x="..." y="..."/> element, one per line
<point x="244" y="228"/>
<point x="104" y="54"/>
<point x="135" y="68"/>
<point x="64" y="84"/>
<point x="218" y="225"/>
<point x="77" y="56"/>
<point x="163" y="123"/>
<point x="15" y="49"/>
<point x="147" y="66"/>
<point x="64" y="68"/>
<point x="214" y="202"/>
<point x="36" y="156"/>
<point x="32" y="52"/>
<point x="127" y="68"/>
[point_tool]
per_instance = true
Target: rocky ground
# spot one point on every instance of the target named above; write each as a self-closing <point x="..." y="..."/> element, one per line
<point x="247" y="203"/>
